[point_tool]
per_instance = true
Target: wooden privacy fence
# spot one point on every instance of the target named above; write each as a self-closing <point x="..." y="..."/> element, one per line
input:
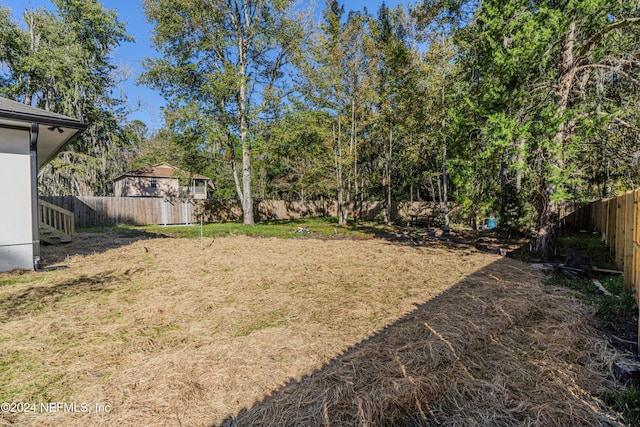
<point x="101" y="211"/>
<point x="618" y="219"/>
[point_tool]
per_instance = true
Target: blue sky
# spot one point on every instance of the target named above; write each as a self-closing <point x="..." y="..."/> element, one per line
<point x="146" y="102"/>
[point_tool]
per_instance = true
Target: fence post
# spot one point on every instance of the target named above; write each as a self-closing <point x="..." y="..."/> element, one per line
<point x="619" y="227"/>
<point x="604" y="219"/>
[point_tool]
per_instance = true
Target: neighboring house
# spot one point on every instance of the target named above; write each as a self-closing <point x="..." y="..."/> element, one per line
<point x="29" y="138"/>
<point x="161" y="181"/>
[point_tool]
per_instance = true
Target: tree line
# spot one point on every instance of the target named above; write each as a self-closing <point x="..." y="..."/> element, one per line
<point x="505" y="107"/>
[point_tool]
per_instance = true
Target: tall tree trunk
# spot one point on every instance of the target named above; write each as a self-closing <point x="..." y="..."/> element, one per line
<point x="436" y="196"/>
<point x="445" y="190"/>
<point x="547" y="225"/>
<point x="232" y="150"/>
<point x="389" y="198"/>
<point x="236" y="179"/>
<point x="445" y="178"/>
<point x="354" y="149"/>
<point x="245" y="198"/>
<point x="342" y="220"/>
<point x="519" y="161"/>
<point x="548" y="221"/>
<point x="28" y="95"/>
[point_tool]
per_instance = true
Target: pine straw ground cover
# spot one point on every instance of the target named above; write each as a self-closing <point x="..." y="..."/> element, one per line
<point x="277" y="332"/>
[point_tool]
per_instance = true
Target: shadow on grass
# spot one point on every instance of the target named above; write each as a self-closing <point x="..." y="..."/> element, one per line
<point x="491" y="241"/>
<point x="37" y="298"/>
<point x="93" y="241"/>
<point x="498" y="348"/>
<point x="100" y="239"/>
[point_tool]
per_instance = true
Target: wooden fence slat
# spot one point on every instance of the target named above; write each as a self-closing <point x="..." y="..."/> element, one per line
<point x="620" y="232"/>
<point x="636" y="251"/>
<point x="618" y="220"/>
<point x="106" y="211"/>
<point x="596" y="209"/>
<point x="636" y="254"/>
<point x="629" y="235"/>
<point x="611" y="225"/>
<point x="604" y="220"/>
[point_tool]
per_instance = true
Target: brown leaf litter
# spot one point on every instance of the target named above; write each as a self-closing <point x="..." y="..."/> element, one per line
<point x="297" y="332"/>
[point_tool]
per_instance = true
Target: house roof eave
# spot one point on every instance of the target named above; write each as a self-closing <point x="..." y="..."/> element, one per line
<point x="63" y="129"/>
<point x="14" y="110"/>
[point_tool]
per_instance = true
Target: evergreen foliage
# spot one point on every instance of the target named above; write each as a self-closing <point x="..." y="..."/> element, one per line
<point x="61" y="61"/>
<point x="507" y="108"/>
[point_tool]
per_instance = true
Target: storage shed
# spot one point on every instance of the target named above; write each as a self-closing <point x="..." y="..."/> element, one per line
<point x="29" y="138"/>
<point x="162" y="180"/>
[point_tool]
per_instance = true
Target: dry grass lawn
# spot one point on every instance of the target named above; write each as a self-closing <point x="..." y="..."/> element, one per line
<point x="254" y="331"/>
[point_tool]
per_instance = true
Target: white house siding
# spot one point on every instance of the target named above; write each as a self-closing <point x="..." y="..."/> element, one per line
<point x="16" y="228"/>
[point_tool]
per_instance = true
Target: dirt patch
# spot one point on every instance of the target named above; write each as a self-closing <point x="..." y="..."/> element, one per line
<point x="92" y="243"/>
<point x="296" y="332"/>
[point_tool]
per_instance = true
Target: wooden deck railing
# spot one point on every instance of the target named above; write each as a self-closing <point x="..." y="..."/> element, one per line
<point x="52" y="217"/>
<point x="193" y="191"/>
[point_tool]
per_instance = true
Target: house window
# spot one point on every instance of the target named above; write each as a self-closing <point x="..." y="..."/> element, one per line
<point x="154" y="183"/>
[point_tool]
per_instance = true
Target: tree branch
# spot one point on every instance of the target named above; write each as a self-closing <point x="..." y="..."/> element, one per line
<point x="608" y="67"/>
<point x="596" y="37"/>
<point x="626" y="124"/>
